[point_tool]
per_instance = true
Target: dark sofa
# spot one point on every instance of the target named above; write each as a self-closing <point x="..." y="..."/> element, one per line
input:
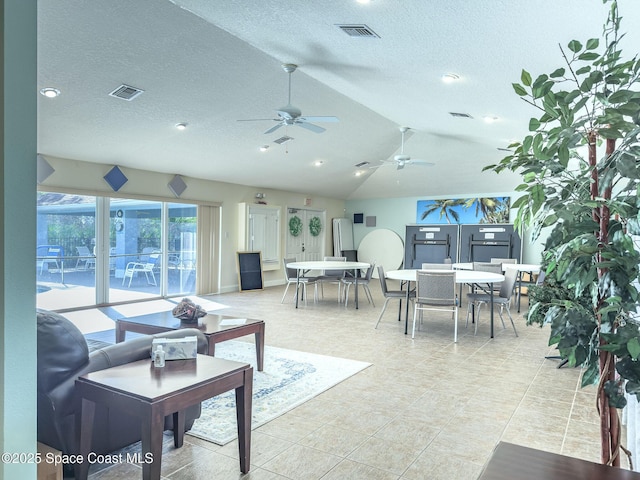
<point x="64" y="355"/>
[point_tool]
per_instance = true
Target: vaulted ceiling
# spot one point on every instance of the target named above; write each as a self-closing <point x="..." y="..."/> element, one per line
<point x="209" y="64"/>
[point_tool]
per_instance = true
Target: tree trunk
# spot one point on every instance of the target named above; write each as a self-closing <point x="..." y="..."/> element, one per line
<point x="609" y="420"/>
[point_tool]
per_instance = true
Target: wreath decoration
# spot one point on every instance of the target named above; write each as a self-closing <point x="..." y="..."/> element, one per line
<point x="295" y="226"/>
<point x="315" y="226"/>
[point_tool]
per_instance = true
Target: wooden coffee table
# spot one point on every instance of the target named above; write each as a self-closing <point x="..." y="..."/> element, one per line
<point x="217" y="328"/>
<point x="151" y="393"/>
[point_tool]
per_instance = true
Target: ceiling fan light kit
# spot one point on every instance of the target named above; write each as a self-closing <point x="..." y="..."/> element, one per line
<point x="290" y="115"/>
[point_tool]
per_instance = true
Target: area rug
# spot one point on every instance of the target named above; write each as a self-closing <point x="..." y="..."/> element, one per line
<point x="289" y="379"/>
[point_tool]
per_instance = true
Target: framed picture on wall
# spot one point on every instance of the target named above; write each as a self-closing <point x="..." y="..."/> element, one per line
<point x="464" y="210"/>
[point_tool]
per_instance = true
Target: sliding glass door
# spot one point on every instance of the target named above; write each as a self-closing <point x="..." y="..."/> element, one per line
<point x="98" y="250"/>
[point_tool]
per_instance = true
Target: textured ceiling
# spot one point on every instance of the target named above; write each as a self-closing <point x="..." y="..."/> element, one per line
<point x="211" y="63"/>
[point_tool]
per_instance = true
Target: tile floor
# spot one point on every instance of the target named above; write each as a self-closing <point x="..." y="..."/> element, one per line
<point x="426" y="409"/>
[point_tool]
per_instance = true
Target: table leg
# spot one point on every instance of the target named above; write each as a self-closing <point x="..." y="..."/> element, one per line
<point x="152" y="427"/>
<point x="356" y="285"/>
<point x="491" y="305"/>
<point x="260" y="347"/>
<point x="84" y="434"/>
<point x="297" y="286"/>
<point x="178" y="428"/>
<point x="406" y="313"/>
<point x="120" y="332"/>
<point x="243" y="416"/>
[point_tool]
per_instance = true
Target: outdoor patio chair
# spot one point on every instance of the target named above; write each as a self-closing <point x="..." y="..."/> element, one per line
<point x="147" y="268"/>
<point x="85" y="258"/>
<point x="49" y="255"/>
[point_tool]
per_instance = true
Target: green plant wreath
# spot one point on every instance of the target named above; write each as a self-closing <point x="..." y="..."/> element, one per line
<point x="295" y="226"/>
<point x="315" y="226"/>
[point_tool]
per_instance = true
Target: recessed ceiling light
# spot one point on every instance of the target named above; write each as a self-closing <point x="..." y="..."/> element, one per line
<point x="181" y="126"/>
<point x="50" y="92"/>
<point x="490" y="118"/>
<point x="450" y="77"/>
<point x="264" y="148"/>
<point x="363" y="2"/>
<point x="359" y="173"/>
<point x="318" y="163"/>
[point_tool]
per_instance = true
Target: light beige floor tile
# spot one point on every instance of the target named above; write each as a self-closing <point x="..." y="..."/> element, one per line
<point x="425" y="408"/>
<point x="349" y="470"/>
<point x="392" y="456"/>
<point x="300" y="462"/>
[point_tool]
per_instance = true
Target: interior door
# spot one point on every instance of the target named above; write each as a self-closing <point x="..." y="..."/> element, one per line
<point x="305" y="241"/>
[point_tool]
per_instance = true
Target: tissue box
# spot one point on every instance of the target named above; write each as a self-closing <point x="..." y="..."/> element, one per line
<point x="177" y="348"/>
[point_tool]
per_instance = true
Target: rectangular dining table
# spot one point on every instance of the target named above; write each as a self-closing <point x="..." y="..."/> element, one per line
<point x="471" y="277"/>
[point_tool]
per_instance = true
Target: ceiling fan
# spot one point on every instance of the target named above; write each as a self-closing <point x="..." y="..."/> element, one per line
<point x="402" y="159"/>
<point x="290" y="115"/>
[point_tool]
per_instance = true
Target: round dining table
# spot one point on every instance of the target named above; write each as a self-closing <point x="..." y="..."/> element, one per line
<point x="302" y="267"/>
<point x="470" y="277"/>
<point x="530" y="268"/>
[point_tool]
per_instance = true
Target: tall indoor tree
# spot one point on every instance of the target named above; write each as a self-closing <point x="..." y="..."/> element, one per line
<point x="581" y="178"/>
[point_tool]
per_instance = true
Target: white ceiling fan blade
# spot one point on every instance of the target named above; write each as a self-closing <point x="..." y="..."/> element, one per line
<point x="274" y="128"/>
<point x="424" y="163"/>
<point x="258" y="120"/>
<point x="310" y="126"/>
<point x="319" y="119"/>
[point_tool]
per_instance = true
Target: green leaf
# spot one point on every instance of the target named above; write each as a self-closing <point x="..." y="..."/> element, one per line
<point x="621" y="96"/>
<point x="587" y="56"/>
<point x="633" y="346"/>
<point x="557" y="73"/>
<point x="525" y="78"/>
<point x="519" y="89"/>
<point x="534" y="124"/>
<point x="592" y="43"/>
<point x="575" y="46"/>
<point x="563" y="156"/>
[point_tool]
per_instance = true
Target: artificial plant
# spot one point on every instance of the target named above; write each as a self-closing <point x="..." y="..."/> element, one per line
<point x="580" y="171"/>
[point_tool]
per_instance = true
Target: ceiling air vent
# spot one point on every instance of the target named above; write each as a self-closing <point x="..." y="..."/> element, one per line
<point x="460" y="115"/>
<point x="361" y="31"/>
<point x="126" y="92"/>
<point x="361" y="164"/>
<point x="282" y="140"/>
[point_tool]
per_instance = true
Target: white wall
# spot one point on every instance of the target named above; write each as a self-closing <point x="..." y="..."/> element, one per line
<point x="85" y="176"/>
<point x="396" y="213"/>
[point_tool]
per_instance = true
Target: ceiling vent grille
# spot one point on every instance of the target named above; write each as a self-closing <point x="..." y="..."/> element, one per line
<point x="460" y="115"/>
<point x="282" y="140"/>
<point x="361" y="164"/>
<point x="362" y="31"/>
<point x="126" y="92"/>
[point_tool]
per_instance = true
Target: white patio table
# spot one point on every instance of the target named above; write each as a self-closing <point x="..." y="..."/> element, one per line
<point x="302" y="267"/>
<point x="471" y="277"/>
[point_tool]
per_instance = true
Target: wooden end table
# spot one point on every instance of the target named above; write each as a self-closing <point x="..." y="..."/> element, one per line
<point x="217" y="328"/>
<point x="510" y="462"/>
<point x="151" y="393"/>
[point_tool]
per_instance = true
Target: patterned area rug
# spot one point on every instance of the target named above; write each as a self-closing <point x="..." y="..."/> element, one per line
<point x="289" y="379"/>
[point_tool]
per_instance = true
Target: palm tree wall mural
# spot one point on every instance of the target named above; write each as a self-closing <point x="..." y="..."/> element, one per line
<point x="464" y="210"/>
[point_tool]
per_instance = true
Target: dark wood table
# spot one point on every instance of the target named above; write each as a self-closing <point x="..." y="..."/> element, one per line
<point x="151" y="393"/>
<point x="212" y="325"/>
<point x="514" y="462"/>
